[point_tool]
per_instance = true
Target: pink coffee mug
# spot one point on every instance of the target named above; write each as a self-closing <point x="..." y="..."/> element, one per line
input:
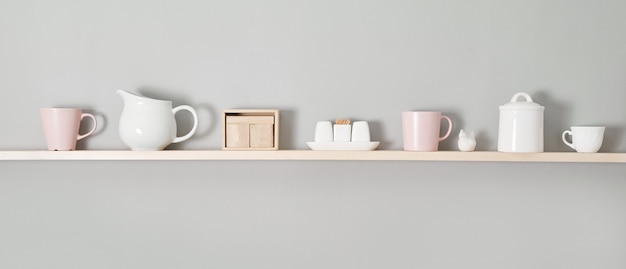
<point x="61" y="125"/>
<point x="420" y="130"/>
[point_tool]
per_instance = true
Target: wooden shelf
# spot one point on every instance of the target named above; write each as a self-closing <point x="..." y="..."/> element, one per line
<point x="309" y="155"/>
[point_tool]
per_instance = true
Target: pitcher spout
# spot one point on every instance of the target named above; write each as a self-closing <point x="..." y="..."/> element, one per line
<point x="124" y="94"/>
<point x="132" y="97"/>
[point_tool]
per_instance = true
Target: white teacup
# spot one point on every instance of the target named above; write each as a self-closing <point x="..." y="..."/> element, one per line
<point x="585" y="138"/>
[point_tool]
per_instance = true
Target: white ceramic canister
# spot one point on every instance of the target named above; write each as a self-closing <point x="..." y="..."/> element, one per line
<point x="521" y="125"/>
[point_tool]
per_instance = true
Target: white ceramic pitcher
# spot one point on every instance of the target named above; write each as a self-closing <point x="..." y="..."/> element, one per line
<point x="149" y="124"/>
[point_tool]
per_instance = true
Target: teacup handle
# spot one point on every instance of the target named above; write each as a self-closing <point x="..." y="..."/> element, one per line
<point x="449" y="128"/>
<point x="195" y="122"/>
<point x="568" y="132"/>
<point x="93" y="129"/>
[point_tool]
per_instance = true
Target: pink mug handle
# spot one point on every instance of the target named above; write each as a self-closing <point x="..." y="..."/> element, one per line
<point x="449" y="128"/>
<point x="93" y="129"/>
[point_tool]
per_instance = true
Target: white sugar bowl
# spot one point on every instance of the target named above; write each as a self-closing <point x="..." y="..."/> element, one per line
<point x="521" y="125"/>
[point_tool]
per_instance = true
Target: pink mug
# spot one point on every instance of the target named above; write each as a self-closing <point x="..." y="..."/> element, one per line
<point x="420" y="130"/>
<point x="61" y="125"/>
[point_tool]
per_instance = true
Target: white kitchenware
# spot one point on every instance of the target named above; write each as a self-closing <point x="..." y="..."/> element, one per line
<point x="466" y="142"/>
<point x="360" y="131"/>
<point x="149" y="124"/>
<point x="521" y="125"/>
<point x="357" y="146"/>
<point x="587" y="139"/>
<point x="323" y="131"/>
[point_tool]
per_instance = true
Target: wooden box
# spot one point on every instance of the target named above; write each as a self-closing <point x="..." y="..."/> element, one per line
<point x="250" y="129"/>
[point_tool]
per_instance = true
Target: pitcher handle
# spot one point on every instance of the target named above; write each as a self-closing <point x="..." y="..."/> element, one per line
<point x="449" y="128"/>
<point x="195" y="122"/>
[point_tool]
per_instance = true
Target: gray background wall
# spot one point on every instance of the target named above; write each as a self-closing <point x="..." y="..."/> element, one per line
<point x="314" y="60"/>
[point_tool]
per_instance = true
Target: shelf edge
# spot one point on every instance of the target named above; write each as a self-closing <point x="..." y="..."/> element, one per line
<point x="310" y="155"/>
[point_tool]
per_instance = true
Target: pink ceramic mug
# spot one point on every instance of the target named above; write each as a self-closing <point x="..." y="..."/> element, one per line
<point x="420" y="130"/>
<point x="61" y="125"/>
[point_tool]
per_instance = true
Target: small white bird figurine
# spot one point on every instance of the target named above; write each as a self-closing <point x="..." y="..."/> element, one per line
<point x="467" y="142"/>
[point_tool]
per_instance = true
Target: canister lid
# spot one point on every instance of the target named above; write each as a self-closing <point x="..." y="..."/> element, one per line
<point x="526" y="104"/>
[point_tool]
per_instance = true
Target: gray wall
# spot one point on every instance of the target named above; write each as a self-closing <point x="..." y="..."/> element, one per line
<point x="313" y="60"/>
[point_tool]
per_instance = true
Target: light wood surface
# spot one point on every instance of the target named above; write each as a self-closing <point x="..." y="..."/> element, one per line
<point x="261" y="136"/>
<point x="249" y="119"/>
<point x="310" y="155"/>
<point x="250" y="129"/>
